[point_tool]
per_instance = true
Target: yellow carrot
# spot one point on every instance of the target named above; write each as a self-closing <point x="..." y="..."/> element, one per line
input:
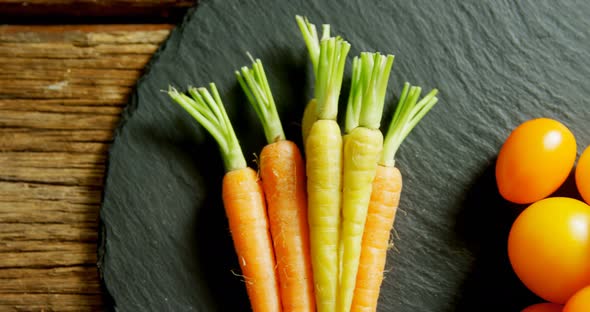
<point x="323" y="148"/>
<point x="363" y="143"/>
<point x="309" y="117"/>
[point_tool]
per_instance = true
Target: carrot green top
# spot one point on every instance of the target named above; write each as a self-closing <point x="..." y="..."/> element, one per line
<point x="310" y="36"/>
<point x="370" y="74"/>
<point x="208" y="110"/>
<point x="255" y="85"/>
<point x="408" y="113"/>
<point x="328" y="57"/>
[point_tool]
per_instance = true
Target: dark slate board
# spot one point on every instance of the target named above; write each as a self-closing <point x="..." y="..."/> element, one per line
<point x="165" y="245"/>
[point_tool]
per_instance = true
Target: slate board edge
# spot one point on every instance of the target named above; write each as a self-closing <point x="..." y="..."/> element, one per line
<point x="108" y="300"/>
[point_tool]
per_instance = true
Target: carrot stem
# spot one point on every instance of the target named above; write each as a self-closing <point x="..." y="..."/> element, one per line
<point x="255" y="85"/>
<point x="370" y="75"/>
<point x="353" y="107"/>
<point x="312" y="41"/>
<point x="332" y="60"/>
<point x="328" y="57"/>
<point x="326" y="74"/>
<point x="408" y="113"/>
<point x="209" y="111"/>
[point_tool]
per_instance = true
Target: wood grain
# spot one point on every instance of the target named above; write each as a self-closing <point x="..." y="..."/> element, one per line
<point x="92" y="11"/>
<point x="62" y="89"/>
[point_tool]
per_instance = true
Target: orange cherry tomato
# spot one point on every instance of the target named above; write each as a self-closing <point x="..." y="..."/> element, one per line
<point x="579" y="302"/>
<point x="583" y="175"/>
<point x="549" y="247"/>
<point x="544" y="307"/>
<point x="535" y="160"/>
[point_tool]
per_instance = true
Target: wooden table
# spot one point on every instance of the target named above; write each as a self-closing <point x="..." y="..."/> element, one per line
<point x="62" y="88"/>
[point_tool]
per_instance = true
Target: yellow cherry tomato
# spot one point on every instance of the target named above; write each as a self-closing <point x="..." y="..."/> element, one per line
<point x="579" y="302"/>
<point x="544" y="307"/>
<point x="583" y="175"/>
<point x="549" y="247"/>
<point x="535" y="160"/>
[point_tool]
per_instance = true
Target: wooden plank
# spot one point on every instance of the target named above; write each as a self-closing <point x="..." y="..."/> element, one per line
<point x="50" y="289"/>
<point x="25" y="302"/>
<point x="73" y="50"/>
<point x="62" y="176"/>
<point x="50" y="302"/>
<point x="71" y="194"/>
<point x="73" y="232"/>
<point x="51" y="160"/>
<point x="46" y="120"/>
<point x="37" y="246"/>
<point x="106" y="62"/>
<point x="59" y="280"/>
<point x="49" y="140"/>
<point x="89" y="101"/>
<point x="88" y="76"/>
<point x="27" y="210"/>
<point x="86" y="34"/>
<point x="28" y="106"/>
<point x="60" y="168"/>
<point x="91" y="11"/>
<point x="48" y="258"/>
<point x="62" y="90"/>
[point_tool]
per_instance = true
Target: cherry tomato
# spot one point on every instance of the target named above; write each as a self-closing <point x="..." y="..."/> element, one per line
<point x="549" y="247"/>
<point x="535" y="160"/>
<point x="583" y="175"/>
<point x="544" y="307"/>
<point x="579" y="302"/>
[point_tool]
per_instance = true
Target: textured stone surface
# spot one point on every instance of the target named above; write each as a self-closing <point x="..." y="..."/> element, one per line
<point x="165" y="242"/>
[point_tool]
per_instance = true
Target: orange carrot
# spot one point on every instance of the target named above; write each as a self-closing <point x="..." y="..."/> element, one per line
<point x="243" y="200"/>
<point x="283" y="176"/>
<point x="283" y="179"/>
<point x="245" y="208"/>
<point x="385" y="195"/>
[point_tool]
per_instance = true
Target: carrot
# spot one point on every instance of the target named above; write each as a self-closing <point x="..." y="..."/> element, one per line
<point x="283" y="179"/>
<point x="309" y="117"/>
<point x="323" y="149"/>
<point x="243" y="200"/>
<point x="363" y="142"/>
<point x="385" y="195"/>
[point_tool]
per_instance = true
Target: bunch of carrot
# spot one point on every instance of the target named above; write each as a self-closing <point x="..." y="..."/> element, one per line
<point x="313" y="234"/>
